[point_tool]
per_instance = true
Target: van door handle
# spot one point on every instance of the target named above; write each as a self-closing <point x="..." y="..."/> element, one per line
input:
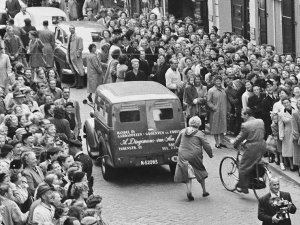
<point x="150" y="129"/>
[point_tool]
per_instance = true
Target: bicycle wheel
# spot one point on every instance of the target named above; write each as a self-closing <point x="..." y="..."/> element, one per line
<point x="260" y="183"/>
<point x="229" y="173"/>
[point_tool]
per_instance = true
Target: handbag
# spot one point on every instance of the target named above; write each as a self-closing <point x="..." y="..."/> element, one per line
<point x="191" y="173"/>
<point x="271" y="144"/>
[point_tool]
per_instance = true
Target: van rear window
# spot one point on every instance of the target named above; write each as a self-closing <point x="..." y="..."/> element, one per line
<point x="130" y="116"/>
<point x="162" y="114"/>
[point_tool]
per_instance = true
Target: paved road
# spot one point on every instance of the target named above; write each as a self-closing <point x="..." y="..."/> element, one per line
<point x="148" y="195"/>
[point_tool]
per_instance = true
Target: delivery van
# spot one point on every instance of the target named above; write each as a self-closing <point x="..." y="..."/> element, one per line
<point x="133" y="124"/>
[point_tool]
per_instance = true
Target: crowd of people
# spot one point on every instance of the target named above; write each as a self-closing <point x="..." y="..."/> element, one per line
<point x="45" y="177"/>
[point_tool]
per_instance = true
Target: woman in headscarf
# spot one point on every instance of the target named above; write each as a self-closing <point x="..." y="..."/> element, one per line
<point x="191" y="141"/>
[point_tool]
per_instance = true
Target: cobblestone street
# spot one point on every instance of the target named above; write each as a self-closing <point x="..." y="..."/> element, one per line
<point x="148" y="195"/>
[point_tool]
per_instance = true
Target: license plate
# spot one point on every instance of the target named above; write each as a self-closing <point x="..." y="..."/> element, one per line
<point x="149" y="162"/>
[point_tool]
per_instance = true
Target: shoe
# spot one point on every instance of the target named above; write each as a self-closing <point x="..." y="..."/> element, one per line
<point x="282" y="166"/>
<point x="90" y="98"/>
<point x="293" y="169"/>
<point x="223" y="146"/>
<point x="271" y="159"/>
<point x="205" y="194"/>
<point x="242" y="190"/>
<point x="277" y="162"/>
<point x="190" y="197"/>
<point x="217" y="146"/>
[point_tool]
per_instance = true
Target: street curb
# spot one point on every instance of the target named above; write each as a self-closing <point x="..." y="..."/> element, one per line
<point x="274" y="168"/>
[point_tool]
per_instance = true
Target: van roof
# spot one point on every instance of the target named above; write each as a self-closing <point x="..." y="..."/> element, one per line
<point x="135" y="91"/>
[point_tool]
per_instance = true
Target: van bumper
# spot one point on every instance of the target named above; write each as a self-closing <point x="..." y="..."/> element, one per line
<point x="149" y="160"/>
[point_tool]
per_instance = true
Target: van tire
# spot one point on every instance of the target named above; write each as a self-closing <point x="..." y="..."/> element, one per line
<point x="108" y="172"/>
<point x="88" y="149"/>
<point x="172" y="168"/>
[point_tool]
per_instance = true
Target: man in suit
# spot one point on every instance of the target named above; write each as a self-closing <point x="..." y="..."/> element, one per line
<point x="255" y="101"/>
<point x="252" y="130"/>
<point x="74" y="57"/>
<point x="48" y="39"/>
<point x="127" y="48"/>
<point x="267" y="107"/>
<point x="152" y="52"/>
<point x="66" y="98"/>
<point x="267" y="213"/>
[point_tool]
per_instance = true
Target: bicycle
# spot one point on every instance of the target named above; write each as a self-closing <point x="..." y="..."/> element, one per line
<point x="259" y="176"/>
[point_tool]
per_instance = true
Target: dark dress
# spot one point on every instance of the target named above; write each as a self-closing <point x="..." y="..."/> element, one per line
<point x="62" y="126"/>
<point x="130" y="76"/>
<point x="190" y="142"/>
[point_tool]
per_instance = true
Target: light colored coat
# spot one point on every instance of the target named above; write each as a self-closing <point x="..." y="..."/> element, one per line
<point x="296" y="137"/>
<point x="74" y="54"/>
<point x="94" y="73"/>
<point x="286" y="133"/>
<point x="47" y="37"/>
<point x="253" y="131"/>
<point x="217" y="102"/>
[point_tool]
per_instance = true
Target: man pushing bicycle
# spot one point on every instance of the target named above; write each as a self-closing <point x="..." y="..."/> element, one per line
<point x="253" y="131"/>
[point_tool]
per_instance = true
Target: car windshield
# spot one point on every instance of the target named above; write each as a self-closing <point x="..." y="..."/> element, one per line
<point x="96" y="36"/>
<point x="57" y="19"/>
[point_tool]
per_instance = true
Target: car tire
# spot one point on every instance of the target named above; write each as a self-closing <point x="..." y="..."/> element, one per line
<point x="108" y="172"/>
<point x="93" y="155"/>
<point x="172" y="167"/>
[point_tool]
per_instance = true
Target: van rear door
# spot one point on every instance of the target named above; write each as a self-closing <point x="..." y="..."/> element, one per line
<point x="165" y="120"/>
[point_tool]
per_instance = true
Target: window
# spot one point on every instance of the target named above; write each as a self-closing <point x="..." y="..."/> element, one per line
<point x="96" y="36"/>
<point x="101" y="109"/>
<point x="130" y="116"/>
<point x="162" y="114"/>
<point x="57" y="19"/>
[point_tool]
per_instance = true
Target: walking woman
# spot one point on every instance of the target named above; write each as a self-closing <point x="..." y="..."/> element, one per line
<point x="94" y="72"/>
<point x="191" y="141"/>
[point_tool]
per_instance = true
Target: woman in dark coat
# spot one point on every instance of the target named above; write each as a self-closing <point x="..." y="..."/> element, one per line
<point x="62" y="125"/>
<point x="35" y="50"/>
<point x="159" y="76"/>
<point x="190" y="156"/>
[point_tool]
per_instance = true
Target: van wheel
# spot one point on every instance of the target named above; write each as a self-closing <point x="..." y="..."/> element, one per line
<point x="172" y="168"/>
<point x="107" y="171"/>
<point x="93" y="155"/>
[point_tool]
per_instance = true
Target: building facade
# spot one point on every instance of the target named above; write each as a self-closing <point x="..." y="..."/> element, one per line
<point x="272" y="22"/>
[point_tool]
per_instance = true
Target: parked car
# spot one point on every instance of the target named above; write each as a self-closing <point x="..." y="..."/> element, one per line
<point x="51" y="14"/>
<point x="133" y="124"/>
<point x="90" y="32"/>
<point x="3" y="21"/>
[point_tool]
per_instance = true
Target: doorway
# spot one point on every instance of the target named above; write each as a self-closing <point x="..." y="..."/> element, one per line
<point x="288" y="26"/>
<point x="240" y="18"/>
<point x="262" y="15"/>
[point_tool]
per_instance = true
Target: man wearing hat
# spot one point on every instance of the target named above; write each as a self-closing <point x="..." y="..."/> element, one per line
<point x="44" y="212"/>
<point x="135" y="74"/>
<point x="267" y="107"/>
<point x="18" y="100"/>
